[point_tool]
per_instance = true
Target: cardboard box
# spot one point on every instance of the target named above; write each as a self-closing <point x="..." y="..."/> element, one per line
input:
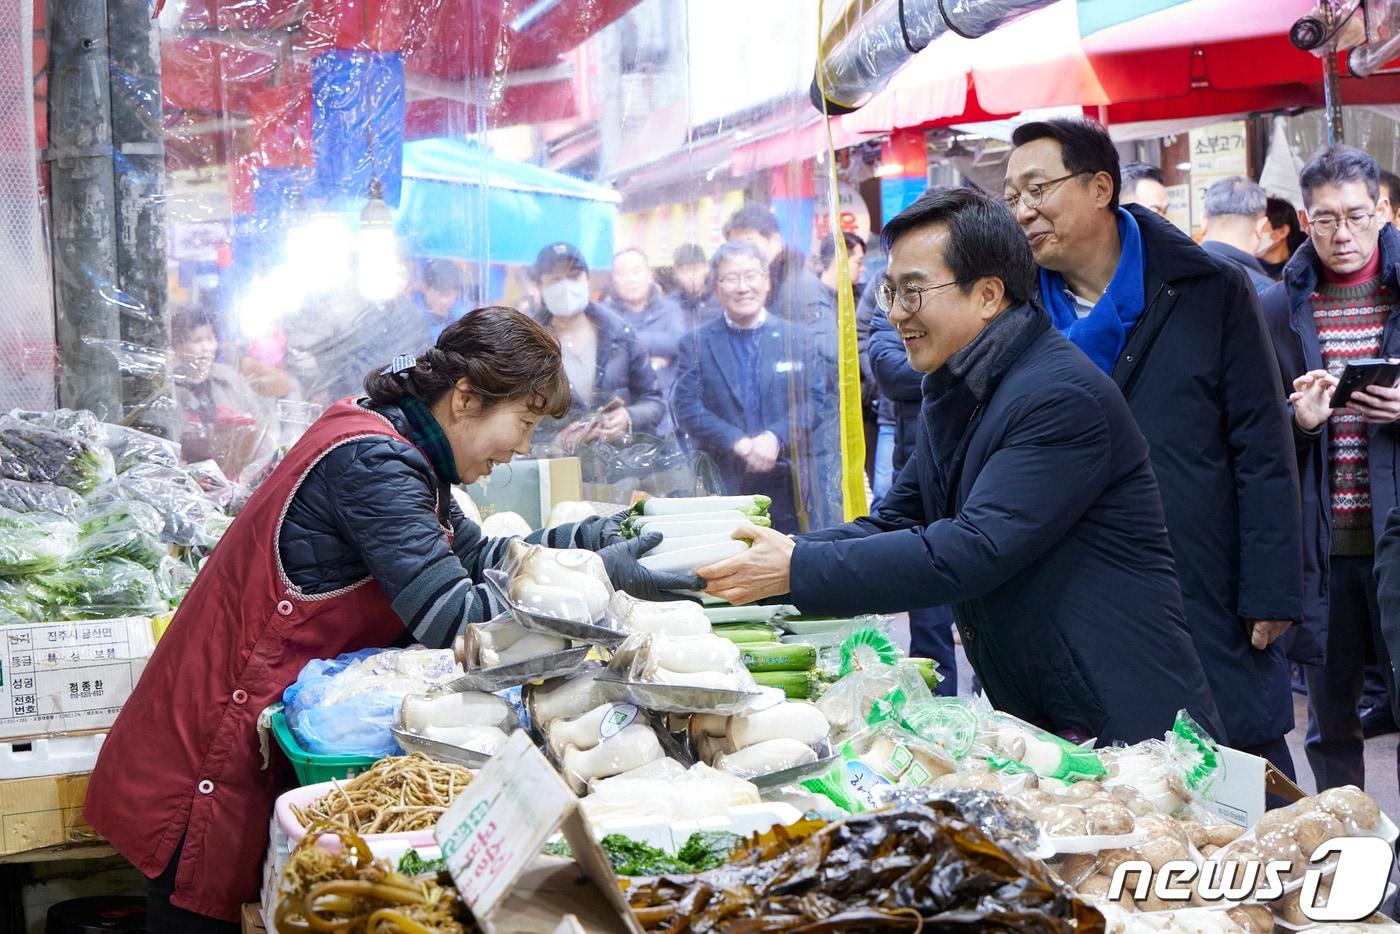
<point x="531" y="488"/>
<point x="62" y="677"/>
<point x="40" y="812"/>
<point x="252" y="919"/>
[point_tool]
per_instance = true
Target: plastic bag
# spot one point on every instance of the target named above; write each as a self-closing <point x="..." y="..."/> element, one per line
<point x="78" y="422"/>
<point x="188" y="514"/>
<point x="99" y="590"/>
<point x="32" y="452"/>
<point x="173" y="580"/>
<point x="1174" y="774"/>
<point x="873" y="694"/>
<point x="130" y="447"/>
<point x="879" y="756"/>
<point x="34" y="541"/>
<point x="24" y="496"/>
<point x="566" y="583"/>
<point x="121" y="528"/>
<point x="16" y="605"/>
<point x="346" y="706"/>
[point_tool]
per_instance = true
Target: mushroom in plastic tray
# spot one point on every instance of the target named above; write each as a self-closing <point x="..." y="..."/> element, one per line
<point x="778" y="740"/>
<point x="462" y="726"/>
<point x="502" y="654"/>
<point x="702" y="673"/>
<point x="564" y="584"/>
<point x="611" y="739"/>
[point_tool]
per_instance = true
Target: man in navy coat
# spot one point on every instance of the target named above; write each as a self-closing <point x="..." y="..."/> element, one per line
<point x="1029" y="503"/>
<point x="748" y="397"/>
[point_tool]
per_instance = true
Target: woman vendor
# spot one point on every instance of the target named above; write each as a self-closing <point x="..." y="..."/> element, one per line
<point x="353" y="541"/>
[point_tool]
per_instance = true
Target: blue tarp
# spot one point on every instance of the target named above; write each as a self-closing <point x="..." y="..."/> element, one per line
<point x="460" y="202"/>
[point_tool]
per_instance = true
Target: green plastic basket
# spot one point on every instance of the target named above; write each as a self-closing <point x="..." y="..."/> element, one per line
<point x="312" y="769"/>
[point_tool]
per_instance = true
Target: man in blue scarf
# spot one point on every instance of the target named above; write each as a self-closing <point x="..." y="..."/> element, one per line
<point x="1182" y="334"/>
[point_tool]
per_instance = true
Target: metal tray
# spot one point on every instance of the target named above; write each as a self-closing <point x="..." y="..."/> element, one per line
<point x="433" y="749"/>
<point x="750" y="613"/>
<point x="539" y="668"/>
<point x="676" y="698"/>
<point x="826" y="757"/>
<point x="609" y="634"/>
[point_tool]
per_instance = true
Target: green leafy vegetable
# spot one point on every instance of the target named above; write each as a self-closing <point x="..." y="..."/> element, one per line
<point x="114" y="587"/>
<point x="34" y="541"/>
<point x="122" y="528"/>
<point x="704" y="850"/>
<point x="708" y="849"/>
<point x="558" y="848"/>
<point x="412" y="864"/>
<point x="38" y="454"/>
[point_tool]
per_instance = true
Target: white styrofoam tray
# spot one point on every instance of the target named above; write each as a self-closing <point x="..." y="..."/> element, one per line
<point x="62" y="754"/>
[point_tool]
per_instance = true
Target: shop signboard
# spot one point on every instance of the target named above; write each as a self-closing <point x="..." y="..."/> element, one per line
<point x="1217" y="151"/>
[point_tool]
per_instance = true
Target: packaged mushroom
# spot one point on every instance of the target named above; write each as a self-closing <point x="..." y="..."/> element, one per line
<point x="1294" y="833"/>
<point x="502" y="642"/>
<point x="1173" y="775"/>
<point x="702" y="661"/>
<point x="760" y="742"/>
<point x="669" y="618"/>
<point x="872" y="694"/>
<point x="563" y="583"/>
<point x="878" y="756"/>
<point x="469" y="720"/>
<point x="629" y="748"/>
<point x="562" y="698"/>
<point x="588" y="729"/>
<point x="1085" y="818"/>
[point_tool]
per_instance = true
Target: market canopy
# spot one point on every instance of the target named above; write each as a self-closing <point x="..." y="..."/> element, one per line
<point x="460" y="202"/>
<point x="1138" y="59"/>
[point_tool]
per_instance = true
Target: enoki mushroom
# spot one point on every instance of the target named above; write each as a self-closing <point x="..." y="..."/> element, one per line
<point x="350" y="892"/>
<point x="398" y="794"/>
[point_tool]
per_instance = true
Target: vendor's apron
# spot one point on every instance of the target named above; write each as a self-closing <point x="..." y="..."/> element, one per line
<point x="184" y="758"/>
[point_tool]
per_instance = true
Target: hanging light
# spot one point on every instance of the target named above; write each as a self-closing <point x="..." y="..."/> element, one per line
<point x="269" y="299"/>
<point x="381" y="275"/>
<point x="319" y="248"/>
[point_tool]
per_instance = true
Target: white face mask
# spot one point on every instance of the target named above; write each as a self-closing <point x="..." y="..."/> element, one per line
<point x="565" y="298"/>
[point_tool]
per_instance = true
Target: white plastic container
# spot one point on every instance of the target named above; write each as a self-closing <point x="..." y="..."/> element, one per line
<point x="49" y="755"/>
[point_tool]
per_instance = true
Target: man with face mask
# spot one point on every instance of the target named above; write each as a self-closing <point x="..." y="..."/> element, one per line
<point x="1340" y="300"/>
<point x="615" y="391"/>
<point x="1181" y="334"/>
<point x="1237" y="219"/>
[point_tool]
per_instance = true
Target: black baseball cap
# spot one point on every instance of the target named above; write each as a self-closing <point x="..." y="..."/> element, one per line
<point x="557" y="253"/>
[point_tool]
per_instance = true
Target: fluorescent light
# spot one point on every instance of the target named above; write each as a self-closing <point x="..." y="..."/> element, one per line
<point x="536" y="10"/>
<point x="888" y="170"/>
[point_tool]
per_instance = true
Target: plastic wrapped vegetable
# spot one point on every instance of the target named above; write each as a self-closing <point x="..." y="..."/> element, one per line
<point x="16" y="605"/>
<point x="186" y="512"/>
<point x="34" y="541"/>
<point x="565" y="583"/>
<point x="122" y="528"/>
<point x="34" y="453"/>
<point x="130" y="446"/>
<point x="102" y="589"/>
<point x="26" y="496"/>
<point x="173" y="580"/>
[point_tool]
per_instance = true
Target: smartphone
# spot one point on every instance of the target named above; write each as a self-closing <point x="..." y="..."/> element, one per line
<point x="1358" y="374"/>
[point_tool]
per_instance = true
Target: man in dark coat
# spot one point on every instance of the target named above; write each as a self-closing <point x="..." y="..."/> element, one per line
<point x="654" y="317"/>
<point x="1340" y="300"/>
<point x="746" y="399"/>
<point x="602" y="356"/>
<point x="1029" y="503"/>
<point x="1237" y="221"/>
<point x="1181" y="334"/>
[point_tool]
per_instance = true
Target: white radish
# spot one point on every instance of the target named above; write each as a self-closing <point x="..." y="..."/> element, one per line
<point x="689" y="560"/>
<point x="770" y="756"/>
<point x="680" y="505"/>
<point x="457" y="709"/>
<point x="792" y="720"/>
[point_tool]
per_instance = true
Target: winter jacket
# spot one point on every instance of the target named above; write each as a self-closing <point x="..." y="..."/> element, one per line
<point x="1196" y="372"/>
<point x="374" y="507"/>
<point x="658" y="326"/>
<point x="1247" y="264"/>
<point x="1289" y="314"/>
<point x="624" y="370"/>
<point x="1388" y="596"/>
<point x="899" y="382"/>
<point x="867" y="310"/>
<point x="1049" y="542"/>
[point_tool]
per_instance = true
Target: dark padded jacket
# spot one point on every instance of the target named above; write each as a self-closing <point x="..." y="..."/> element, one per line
<point x="374" y="507"/>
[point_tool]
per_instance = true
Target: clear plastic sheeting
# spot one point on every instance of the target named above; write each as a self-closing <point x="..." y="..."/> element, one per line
<point x="324" y="187"/>
<point x="867" y="41"/>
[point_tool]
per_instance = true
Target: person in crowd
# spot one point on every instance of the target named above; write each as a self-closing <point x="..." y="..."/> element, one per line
<point x="440" y="299"/>
<point x="1027" y="487"/>
<point x="1145" y="185"/>
<point x="740" y="389"/>
<point x="1237" y="220"/>
<point x="821" y="317"/>
<point x="1338" y="301"/>
<point x="220" y="417"/>
<point x="1181" y="334"/>
<point x="877" y="411"/>
<point x="900" y="388"/>
<point x="655" y="318"/>
<point x="794" y="287"/>
<point x="1285" y="234"/>
<point x="612" y="385"/>
<point x="693" y="293"/>
<point x="353" y="540"/>
<point x="1390" y="192"/>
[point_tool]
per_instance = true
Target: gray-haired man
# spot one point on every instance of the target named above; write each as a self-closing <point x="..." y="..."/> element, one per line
<point x="1237" y="221"/>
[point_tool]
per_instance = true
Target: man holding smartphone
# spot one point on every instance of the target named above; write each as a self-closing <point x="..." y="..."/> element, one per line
<point x="1339" y="301"/>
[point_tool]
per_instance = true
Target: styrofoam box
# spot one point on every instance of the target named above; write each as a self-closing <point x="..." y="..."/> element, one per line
<point x="744" y="820"/>
<point x="49" y="755"/>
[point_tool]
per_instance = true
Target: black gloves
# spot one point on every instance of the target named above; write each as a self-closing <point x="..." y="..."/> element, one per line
<point x="610" y="529"/>
<point x="627" y="574"/>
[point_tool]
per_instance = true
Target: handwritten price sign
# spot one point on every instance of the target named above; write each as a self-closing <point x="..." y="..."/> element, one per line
<point x="496" y="828"/>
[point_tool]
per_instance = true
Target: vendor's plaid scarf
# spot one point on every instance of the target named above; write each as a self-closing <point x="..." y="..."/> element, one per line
<point x="424" y="431"/>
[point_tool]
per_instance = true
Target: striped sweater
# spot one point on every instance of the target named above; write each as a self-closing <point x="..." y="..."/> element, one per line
<point x="1350" y="320"/>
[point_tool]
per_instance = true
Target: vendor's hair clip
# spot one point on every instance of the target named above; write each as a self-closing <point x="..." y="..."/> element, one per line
<point x="401" y="364"/>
